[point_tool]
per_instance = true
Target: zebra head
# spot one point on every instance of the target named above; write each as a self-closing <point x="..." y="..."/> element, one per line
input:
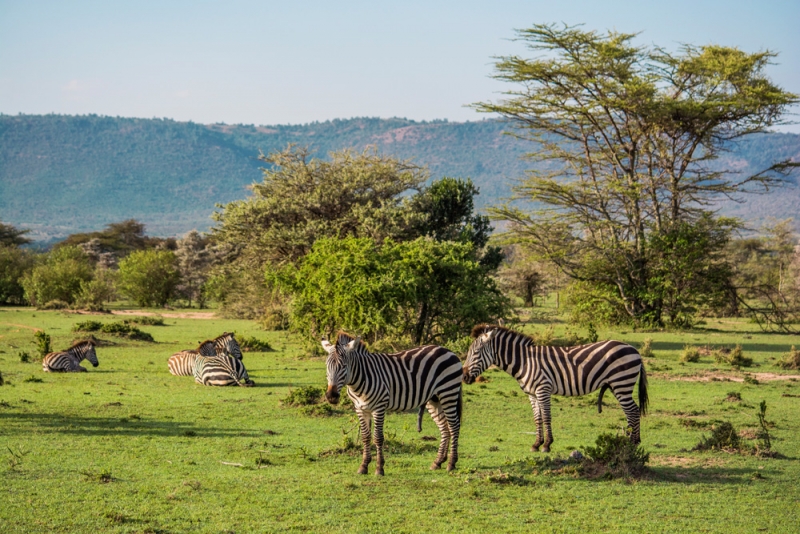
<point x="231" y="346"/>
<point x="85" y="349"/>
<point x="338" y="364"/>
<point x="480" y="354"/>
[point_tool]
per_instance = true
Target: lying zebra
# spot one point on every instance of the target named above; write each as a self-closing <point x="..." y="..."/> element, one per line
<point x="379" y="383"/>
<point x="545" y="371"/>
<point x="220" y="371"/>
<point x="182" y="363"/>
<point x="70" y="359"/>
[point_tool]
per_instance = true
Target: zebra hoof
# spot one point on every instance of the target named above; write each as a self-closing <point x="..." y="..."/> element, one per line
<point x="535" y="448"/>
<point x="545" y="449"/>
<point x="363" y="470"/>
<point x="451" y="467"/>
<point x="435" y="466"/>
<point x="379" y="472"/>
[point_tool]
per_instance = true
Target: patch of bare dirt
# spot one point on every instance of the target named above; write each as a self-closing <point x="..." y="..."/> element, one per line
<point x="175" y="315"/>
<point x="683" y="461"/>
<point x="711" y="376"/>
<point x="23" y="326"/>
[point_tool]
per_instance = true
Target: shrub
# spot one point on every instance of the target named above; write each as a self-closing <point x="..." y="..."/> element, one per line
<point x="42" y="341"/>
<point x="646" y="351"/>
<point x="723" y="438"/>
<point x="690" y="354"/>
<point x="150" y="277"/>
<point x="733" y="396"/>
<point x="58" y="277"/>
<point x="146" y="320"/>
<point x="791" y="360"/>
<point x="544" y="337"/>
<point x="15" y="263"/>
<point x="732" y="357"/>
<point x="24" y="357"/>
<point x="615" y="456"/>
<point x="54" y="305"/>
<point x="119" y="329"/>
<point x="304" y="396"/>
<point x="764" y="442"/>
<point x="101" y="289"/>
<point x="592" y="336"/>
<point x="252" y="344"/>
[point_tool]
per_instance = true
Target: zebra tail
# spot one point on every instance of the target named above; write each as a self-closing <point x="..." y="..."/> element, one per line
<point x="419" y="418"/>
<point x="603" y="389"/>
<point x="644" y="400"/>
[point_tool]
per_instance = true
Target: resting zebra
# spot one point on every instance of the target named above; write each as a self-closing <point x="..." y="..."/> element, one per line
<point x="70" y="359"/>
<point x="220" y="371"/>
<point x="379" y="383"/>
<point x="545" y="371"/>
<point x="182" y="363"/>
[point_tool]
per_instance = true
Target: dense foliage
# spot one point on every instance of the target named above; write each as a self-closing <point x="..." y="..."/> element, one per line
<point x="58" y="277"/>
<point x="419" y="291"/>
<point x="149" y="277"/>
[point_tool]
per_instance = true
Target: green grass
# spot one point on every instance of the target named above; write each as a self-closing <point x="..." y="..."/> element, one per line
<point x="126" y="447"/>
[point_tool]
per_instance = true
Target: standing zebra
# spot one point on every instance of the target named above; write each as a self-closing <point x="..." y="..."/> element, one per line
<point x="545" y="371"/>
<point x="182" y="363"/>
<point x="220" y="371"/>
<point x="70" y="359"/>
<point x="398" y="382"/>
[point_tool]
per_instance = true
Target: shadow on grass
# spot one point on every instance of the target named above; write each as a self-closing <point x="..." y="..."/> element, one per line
<point x="746" y="347"/>
<point x="710" y="475"/>
<point x="109" y="426"/>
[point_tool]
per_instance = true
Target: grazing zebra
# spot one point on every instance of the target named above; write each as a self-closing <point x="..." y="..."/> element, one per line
<point x="70" y="359"/>
<point x="182" y="363"/>
<point x="379" y="383"/>
<point x="545" y="371"/>
<point x="220" y="371"/>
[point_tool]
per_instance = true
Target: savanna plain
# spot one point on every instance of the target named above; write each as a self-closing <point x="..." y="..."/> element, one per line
<point x="127" y="447"/>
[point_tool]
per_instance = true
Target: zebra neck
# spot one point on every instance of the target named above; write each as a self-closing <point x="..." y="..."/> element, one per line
<point x="512" y="352"/>
<point x="356" y="373"/>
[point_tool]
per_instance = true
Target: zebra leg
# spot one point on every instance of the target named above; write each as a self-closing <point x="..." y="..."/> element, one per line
<point x="625" y="397"/>
<point x="378" y="431"/>
<point x="537" y="417"/>
<point x="454" y="423"/>
<point x="444" y="442"/>
<point x="364" y="420"/>
<point x="543" y="403"/>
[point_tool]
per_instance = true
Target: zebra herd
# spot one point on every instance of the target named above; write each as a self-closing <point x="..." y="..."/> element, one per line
<point x="429" y="377"/>
<point x="432" y="376"/>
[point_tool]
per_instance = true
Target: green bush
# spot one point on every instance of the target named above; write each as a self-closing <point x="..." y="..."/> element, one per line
<point x="150" y="277"/>
<point x="58" y="278"/>
<point x="15" y="264"/>
<point x="101" y="289"/>
<point x="146" y="320"/>
<point x="42" y="340"/>
<point x="690" y="354"/>
<point x="303" y="396"/>
<point x="119" y="329"/>
<point x="425" y="290"/>
<point x="24" y="357"/>
<point x="615" y="455"/>
<point x="733" y="357"/>
<point x="790" y="360"/>
<point x="723" y="438"/>
<point x="252" y="344"/>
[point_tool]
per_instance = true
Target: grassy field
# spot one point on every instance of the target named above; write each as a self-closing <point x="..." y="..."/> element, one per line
<point x="126" y="447"/>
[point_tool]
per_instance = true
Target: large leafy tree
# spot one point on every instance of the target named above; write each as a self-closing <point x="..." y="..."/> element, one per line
<point x="627" y="137"/>
<point x="58" y="277"/>
<point x="410" y="292"/>
<point x="149" y="277"/>
<point x="11" y="236"/>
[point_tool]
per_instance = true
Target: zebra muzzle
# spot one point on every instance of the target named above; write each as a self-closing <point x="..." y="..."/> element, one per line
<point x="332" y="395"/>
<point x="466" y="378"/>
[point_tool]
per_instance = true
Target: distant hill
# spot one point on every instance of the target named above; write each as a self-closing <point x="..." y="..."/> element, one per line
<point x="62" y="174"/>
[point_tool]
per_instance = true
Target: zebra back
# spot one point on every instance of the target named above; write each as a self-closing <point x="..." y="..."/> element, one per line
<point x="182" y="363"/>
<point x="408" y="378"/>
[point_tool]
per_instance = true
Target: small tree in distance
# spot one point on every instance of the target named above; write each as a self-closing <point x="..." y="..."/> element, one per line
<point x="149" y="277"/>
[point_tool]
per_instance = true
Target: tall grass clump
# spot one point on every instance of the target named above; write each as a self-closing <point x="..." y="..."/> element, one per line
<point x="646" y="351"/>
<point x="690" y="354"/>
<point x="253" y="344"/>
<point x="42" y="340"/>
<point x="733" y="357"/>
<point x="791" y="360"/>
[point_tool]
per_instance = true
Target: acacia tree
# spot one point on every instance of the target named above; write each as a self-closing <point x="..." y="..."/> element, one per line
<point x="627" y="136"/>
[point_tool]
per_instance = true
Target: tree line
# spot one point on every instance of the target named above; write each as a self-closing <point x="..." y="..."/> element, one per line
<point x="624" y="227"/>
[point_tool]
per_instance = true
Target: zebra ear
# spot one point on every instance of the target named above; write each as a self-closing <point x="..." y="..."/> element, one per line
<point x="353" y="344"/>
<point x="489" y="335"/>
<point x="327" y="346"/>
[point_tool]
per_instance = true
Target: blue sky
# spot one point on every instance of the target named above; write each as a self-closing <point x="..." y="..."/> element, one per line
<point x="297" y="62"/>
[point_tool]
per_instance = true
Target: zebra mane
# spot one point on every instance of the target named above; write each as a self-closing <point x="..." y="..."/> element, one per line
<point x="224" y="334"/>
<point x="344" y="338"/>
<point x="77" y="344"/>
<point x="484" y="328"/>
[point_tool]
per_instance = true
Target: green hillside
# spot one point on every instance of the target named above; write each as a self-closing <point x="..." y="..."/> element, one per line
<point x="62" y="174"/>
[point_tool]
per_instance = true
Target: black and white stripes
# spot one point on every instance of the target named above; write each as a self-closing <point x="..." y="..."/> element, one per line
<point x="545" y="371"/>
<point x="379" y="383"/>
<point x="220" y="371"/>
<point x="70" y="359"/>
